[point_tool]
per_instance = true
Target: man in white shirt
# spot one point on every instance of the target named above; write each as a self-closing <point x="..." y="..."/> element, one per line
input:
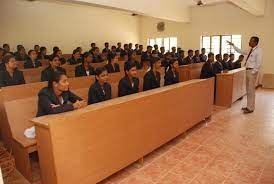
<point x="253" y="65"/>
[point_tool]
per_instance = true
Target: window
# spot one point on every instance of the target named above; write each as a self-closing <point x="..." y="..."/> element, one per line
<point x="218" y="44"/>
<point x="167" y="42"/>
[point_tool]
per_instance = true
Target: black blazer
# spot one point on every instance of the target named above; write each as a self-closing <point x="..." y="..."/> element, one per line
<point x="29" y="64"/>
<point x="207" y="71"/>
<point x="80" y="71"/>
<point x="63" y="60"/>
<point x="230" y="65"/>
<point x="47" y="98"/>
<point x="237" y="64"/>
<point x="98" y="94"/>
<point x="125" y="87"/>
<point x="40" y="57"/>
<point x="171" y="78"/>
<point x="151" y="81"/>
<point x="196" y="59"/>
<point x="2" y="66"/>
<point x="73" y="61"/>
<point x="7" y="80"/>
<point x="217" y="67"/>
<point x="48" y="72"/>
<point x="112" y="69"/>
<point x="97" y="59"/>
<point x="137" y="63"/>
<point x="225" y="66"/>
<point x="21" y="58"/>
<point x="188" y="60"/>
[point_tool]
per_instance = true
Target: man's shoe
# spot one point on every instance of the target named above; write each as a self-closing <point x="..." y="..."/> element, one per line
<point x="247" y="111"/>
<point x="244" y="108"/>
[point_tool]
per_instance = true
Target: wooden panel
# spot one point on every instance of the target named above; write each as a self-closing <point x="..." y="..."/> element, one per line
<point x="87" y="149"/>
<point x="268" y="81"/>
<point x="230" y="87"/>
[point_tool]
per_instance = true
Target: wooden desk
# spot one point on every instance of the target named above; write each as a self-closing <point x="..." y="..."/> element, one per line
<point x="230" y="87"/>
<point x="75" y="147"/>
<point x="189" y="72"/>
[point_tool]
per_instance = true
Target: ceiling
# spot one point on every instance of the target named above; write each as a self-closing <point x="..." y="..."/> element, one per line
<point x="175" y="10"/>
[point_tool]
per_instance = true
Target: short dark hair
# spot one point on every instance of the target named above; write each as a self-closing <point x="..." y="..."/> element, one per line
<point x="5" y="45"/>
<point x="203" y="49"/>
<point x="210" y="54"/>
<point x="256" y="39"/>
<point x="75" y="51"/>
<point x="42" y="48"/>
<point x="129" y="65"/>
<point x="226" y="54"/>
<point x="189" y="51"/>
<point x="218" y="55"/>
<point x="86" y="54"/>
<point x="231" y="55"/>
<point x="99" y="70"/>
<point x="51" y="58"/>
<point x="55" y="48"/>
<point x="154" y="60"/>
<point x="7" y="58"/>
<point x="30" y="51"/>
<point x="106" y="43"/>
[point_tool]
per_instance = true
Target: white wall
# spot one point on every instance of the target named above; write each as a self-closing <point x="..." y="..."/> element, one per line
<point x="63" y="24"/>
<point x="220" y="19"/>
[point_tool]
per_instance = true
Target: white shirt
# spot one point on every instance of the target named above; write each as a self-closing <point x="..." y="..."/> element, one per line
<point x="255" y="59"/>
<point x="87" y="72"/>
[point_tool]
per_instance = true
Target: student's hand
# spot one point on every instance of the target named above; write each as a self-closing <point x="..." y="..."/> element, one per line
<point x="230" y="43"/>
<point x="77" y="105"/>
<point x="54" y="106"/>
<point x="83" y="104"/>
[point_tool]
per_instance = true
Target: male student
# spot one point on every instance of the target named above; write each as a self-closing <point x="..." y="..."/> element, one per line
<point x="196" y="57"/>
<point x="22" y="55"/>
<point x="32" y="61"/>
<point x="106" y="49"/>
<point x="140" y="50"/>
<point x="11" y="75"/>
<point x="136" y="48"/>
<point x="119" y="47"/>
<point x="217" y="66"/>
<point x="36" y="48"/>
<point x="230" y="62"/>
<point x="173" y="52"/>
<point x="6" y="48"/>
<point x="203" y="57"/>
<point x="207" y="69"/>
<point x="238" y="64"/>
<point x="189" y="58"/>
<point x="147" y="54"/>
<point x="156" y="48"/>
<point x="161" y="54"/>
<point x="224" y="61"/>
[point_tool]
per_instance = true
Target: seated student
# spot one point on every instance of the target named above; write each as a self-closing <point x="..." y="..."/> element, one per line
<point x="173" y="52"/>
<point x="54" y="65"/>
<point x="96" y="55"/>
<point x="178" y="52"/>
<point x="166" y="60"/>
<point x="92" y="45"/>
<point x="125" y="51"/>
<point x="154" y="54"/>
<point x="106" y="49"/>
<point x="203" y="57"/>
<point x="207" y="69"/>
<point x="85" y="69"/>
<point x="217" y="66"/>
<point x="18" y="47"/>
<point x="181" y="58"/>
<point x="80" y="51"/>
<point x="156" y="48"/>
<point x="133" y="58"/>
<point x="140" y="50"/>
<point x="130" y="49"/>
<point x="119" y="47"/>
<point x="101" y="90"/>
<point x="36" y="48"/>
<point x="147" y="54"/>
<point x="2" y="64"/>
<point x="224" y="62"/>
<point x="136" y="48"/>
<point x="21" y="56"/>
<point x="56" y="97"/>
<point x="161" y="54"/>
<point x="55" y="49"/>
<point x="196" y="57"/>
<point x="32" y="61"/>
<point x="11" y="75"/>
<point x="112" y="66"/>
<point x="61" y="57"/>
<point x="130" y="83"/>
<point x="152" y="78"/>
<point x="172" y="74"/>
<point x="238" y="64"/>
<point x="42" y="55"/>
<point x="189" y="58"/>
<point x="75" y="58"/>
<point x="230" y="62"/>
<point x="6" y="48"/>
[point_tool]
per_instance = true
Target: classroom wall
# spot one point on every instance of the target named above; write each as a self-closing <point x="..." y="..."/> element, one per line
<point x="63" y="24"/>
<point x="219" y="19"/>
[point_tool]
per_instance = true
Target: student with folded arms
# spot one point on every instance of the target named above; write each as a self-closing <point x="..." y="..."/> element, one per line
<point x="152" y="78"/>
<point x="129" y="84"/>
<point x="85" y="69"/>
<point x="112" y="66"/>
<point x="54" y="65"/>
<point x="56" y="97"/>
<point x="172" y="74"/>
<point x="32" y="61"/>
<point x="101" y="89"/>
<point x="11" y="75"/>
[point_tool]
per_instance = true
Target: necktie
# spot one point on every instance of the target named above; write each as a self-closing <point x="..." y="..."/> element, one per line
<point x="248" y="55"/>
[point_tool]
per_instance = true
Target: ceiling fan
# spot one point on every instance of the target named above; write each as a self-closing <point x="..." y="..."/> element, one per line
<point x="200" y="2"/>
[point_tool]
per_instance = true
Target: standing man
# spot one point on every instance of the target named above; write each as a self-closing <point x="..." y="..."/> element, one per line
<point x="253" y="64"/>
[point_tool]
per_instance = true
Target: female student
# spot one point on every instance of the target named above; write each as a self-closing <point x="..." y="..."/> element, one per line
<point x="112" y="66"/>
<point x="152" y="78"/>
<point x="56" y="98"/>
<point x="11" y="75"/>
<point x="32" y="61"/>
<point x="60" y="54"/>
<point x="76" y="57"/>
<point x="130" y="83"/>
<point x="101" y="89"/>
<point x="172" y="74"/>
<point x="54" y="65"/>
<point x="85" y="69"/>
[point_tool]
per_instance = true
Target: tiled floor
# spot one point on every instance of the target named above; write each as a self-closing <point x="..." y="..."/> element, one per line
<point x="231" y="149"/>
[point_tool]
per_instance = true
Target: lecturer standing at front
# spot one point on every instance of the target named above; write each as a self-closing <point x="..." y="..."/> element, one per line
<point x="253" y="64"/>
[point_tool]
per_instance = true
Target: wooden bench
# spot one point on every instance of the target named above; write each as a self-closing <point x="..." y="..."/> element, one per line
<point x="95" y="148"/>
<point x="230" y="87"/>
